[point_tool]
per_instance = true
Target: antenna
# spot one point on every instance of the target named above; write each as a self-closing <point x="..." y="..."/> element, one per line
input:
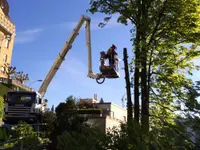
<point x="123" y="99"/>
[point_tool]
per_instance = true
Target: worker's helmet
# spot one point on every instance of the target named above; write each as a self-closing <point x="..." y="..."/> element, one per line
<point x="113" y="46"/>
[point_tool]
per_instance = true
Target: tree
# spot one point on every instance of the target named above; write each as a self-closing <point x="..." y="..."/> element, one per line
<point x="87" y="138"/>
<point x="49" y="119"/>
<point x="52" y="108"/>
<point x="101" y="100"/>
<point x="159" y="29"/>
<point x="67" y="120"/>
<point x="128" y="90"/>
<point x="21" y="77"/>
<point x="1" y="108"/>
<point x="10" y="71"/>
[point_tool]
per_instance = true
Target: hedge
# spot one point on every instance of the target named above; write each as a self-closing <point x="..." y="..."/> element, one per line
<point x="89" y="111"/>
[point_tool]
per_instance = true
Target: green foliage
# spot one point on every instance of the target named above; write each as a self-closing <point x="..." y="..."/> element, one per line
<point x="67" y="120"/>
<point x="48" y="118"/>
<point x="64" y="107"/>
<point x="9" y="145"/>
<point x="85" y="104"/>
<point x="1" y="108"/>
<point x="71" y="132"/>
<point x="124" y="138"/>
<point x="4" y="134"/>
<point x="3" y="90"/>
<point x="87" y="138"/>
<point x="89" y="111"/>
<point x="22" y="130"/>
<point x="161" y="32"/>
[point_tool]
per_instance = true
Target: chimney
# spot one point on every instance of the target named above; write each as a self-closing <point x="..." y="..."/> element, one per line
<point x="95" y="96"/>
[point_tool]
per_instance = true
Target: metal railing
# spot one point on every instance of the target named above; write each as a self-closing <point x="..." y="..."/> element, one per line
<point x="15" y="83"/>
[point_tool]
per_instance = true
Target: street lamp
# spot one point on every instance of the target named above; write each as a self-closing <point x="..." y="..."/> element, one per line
<point x="34" y="82"/>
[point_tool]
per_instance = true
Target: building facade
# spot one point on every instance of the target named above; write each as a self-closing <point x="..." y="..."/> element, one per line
<point x="7" y="34"/>
<point x="112" y="115"/>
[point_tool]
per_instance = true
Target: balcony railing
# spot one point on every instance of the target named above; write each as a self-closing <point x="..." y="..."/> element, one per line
<point x="7" y="24"/>
<point x="15" y="83"/>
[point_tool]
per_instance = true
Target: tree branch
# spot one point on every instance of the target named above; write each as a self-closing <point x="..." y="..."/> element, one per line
<point x="175" y="130"/>
<point x="120" y="11"/>
<point x="165" y="107"/>
<point x="149" y="71"/>
<point x="158" y="22"/>
<point x="168" y="82"/>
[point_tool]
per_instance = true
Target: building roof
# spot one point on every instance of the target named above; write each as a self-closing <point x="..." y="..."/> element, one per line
<point x="110" y="103"/>
<point x="14" y="91"/>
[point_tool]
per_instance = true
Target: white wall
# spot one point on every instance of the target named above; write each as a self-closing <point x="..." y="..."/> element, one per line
<point x="119" y="113"/>
<point x="111" y="122"/>
<point x="98" y="122"/>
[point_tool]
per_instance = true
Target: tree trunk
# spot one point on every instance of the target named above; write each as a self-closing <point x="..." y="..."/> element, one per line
<point x="144" y="87"/>
<point x="144" y="95"/>
<point x="128" y="88"/>
<point x="136" y="78"/>
<point x="137" y="66"/>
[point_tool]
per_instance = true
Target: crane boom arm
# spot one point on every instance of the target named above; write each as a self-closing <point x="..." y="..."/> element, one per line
<point x="68" y="45"/>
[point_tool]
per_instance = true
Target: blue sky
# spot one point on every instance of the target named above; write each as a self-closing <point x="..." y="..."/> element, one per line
<point x="42" y="28"/>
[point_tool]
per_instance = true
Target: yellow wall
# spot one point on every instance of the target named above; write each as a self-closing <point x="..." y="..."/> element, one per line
<point x="6" y="28"/>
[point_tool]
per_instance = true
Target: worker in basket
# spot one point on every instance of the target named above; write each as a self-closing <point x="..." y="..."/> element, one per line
<point x="112" y="55"/>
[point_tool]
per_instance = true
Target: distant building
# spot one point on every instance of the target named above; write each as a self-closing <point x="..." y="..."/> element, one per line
<point x="90" y="100"/>
<point x="112" y="115"/>
<point x="7" y="34"/>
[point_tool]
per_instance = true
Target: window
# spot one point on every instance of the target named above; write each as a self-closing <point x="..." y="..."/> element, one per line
<point x="22" y="98"/>
<point x="112" y="114"/>
<point x="5" y="58"/>
<point x="3" y="70"/>
<point x="7" y="43"/>
<point x="40" y="101"/>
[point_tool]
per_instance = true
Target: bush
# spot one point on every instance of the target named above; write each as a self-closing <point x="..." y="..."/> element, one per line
<point x="87" y="138"/>
<point x="4" y="134"/>
<point x="22" y="130"/>
<point x="1" y="108"/>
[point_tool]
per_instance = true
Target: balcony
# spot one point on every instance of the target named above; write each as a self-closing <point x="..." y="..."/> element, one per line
<point x="7" y="24"/>
<point x="15" y="83"/>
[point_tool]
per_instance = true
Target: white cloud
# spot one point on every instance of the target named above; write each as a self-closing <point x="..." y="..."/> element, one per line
<point x="27" y="35"/>
<point x="31" y="35"/>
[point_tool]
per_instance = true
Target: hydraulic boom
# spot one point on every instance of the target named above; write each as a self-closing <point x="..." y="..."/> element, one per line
<point x="66" y="48"/>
